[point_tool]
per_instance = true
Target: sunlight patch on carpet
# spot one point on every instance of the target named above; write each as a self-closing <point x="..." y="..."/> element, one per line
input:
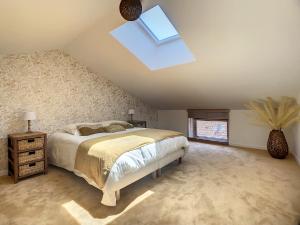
<point x="82" y="216"/>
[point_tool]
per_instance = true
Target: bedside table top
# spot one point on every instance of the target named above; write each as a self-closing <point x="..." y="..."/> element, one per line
<point x="138" y="123"/>
<point x="26" y="135"/>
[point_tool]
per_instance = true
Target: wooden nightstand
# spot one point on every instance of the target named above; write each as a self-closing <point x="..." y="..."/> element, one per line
<point x="27" y="154"/>
<point x="138" y="123"/>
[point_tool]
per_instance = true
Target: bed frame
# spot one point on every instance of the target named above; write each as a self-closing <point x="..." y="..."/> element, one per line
<point x="154" y="169"/>
<point x="112" y="189"/>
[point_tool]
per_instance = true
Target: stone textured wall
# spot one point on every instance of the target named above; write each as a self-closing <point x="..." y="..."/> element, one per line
<point x="61" y="91"/>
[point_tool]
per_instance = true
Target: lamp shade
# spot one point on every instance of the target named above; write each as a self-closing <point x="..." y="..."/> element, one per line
<point x="29" y="116"/>
<point x="131" y="111"/>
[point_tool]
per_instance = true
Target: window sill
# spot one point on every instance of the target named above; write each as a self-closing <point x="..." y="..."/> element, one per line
<point x="207" y="141"/>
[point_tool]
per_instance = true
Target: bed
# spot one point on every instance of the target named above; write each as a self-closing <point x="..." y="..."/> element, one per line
<point x="128" y="168"/>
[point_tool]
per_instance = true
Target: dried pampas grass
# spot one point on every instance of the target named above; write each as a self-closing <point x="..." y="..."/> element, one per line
<point x="276" y="114"/>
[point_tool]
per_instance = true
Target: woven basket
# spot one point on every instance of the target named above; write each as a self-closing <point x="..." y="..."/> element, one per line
<point x="31" y="168"/>
<point x="277" y="145"/>
<point x="31" y="156"/>
<point x="33" y="143"/>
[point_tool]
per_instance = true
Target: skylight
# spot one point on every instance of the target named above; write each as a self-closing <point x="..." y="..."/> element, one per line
<point x="157" y="23"/>
<point x="154" y="40"/>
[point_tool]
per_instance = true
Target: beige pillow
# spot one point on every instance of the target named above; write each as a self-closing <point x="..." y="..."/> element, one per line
<point x="114" y="128"/>
<point x="73" y="128"/>
<point x="86" y="131"/>
<point x="90" y="125"/>
<point x="123" y="124"/>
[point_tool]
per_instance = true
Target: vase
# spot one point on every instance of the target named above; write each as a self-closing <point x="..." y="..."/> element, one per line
<point x="277" y="146"/>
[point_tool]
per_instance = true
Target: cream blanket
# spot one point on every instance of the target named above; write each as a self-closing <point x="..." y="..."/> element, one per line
<point x="96" y="157"/>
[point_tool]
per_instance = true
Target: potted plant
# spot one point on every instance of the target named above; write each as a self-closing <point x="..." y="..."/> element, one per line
<point x="277" y="115"/>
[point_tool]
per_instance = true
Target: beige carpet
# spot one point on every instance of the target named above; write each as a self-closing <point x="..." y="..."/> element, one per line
<point x="214" y="185"/>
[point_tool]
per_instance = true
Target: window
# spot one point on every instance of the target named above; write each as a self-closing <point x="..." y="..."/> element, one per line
<point x="212" y="130"/>
<point x="158" y="25"/>
<point x="154" y="41"/>
<point x="209" y="125"/>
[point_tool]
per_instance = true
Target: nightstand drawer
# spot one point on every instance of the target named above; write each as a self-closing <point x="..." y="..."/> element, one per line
<point x="31" y="143"/>
<point x="31" y="168"/>
<point x="31" y="156"/>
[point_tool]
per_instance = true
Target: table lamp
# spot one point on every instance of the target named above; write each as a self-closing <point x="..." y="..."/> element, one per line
<point x="29" y="116"/>
<point x="131" y="112"/>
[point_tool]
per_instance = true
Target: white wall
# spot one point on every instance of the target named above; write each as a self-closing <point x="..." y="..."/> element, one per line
<point x="243" y="132"/>
<point x="173" y="120"/>
<point x="297" y="139"/>
<point x="297" y="142"/>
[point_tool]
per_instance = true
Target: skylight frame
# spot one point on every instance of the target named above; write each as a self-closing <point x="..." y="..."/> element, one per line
<point x="152" y="34"/>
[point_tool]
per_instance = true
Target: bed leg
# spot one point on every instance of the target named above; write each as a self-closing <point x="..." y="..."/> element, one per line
<point x="118" y="195"/>
<point x="154" y="175"/>
<point x="180" y="160"/>
<point x="158" y="172"/>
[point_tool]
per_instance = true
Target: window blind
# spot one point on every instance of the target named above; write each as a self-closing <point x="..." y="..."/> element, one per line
<point x="209" y="114"/>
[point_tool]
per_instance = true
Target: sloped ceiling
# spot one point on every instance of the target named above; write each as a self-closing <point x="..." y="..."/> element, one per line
<point x="32" y="25"/>
<point x="244" y="49"/>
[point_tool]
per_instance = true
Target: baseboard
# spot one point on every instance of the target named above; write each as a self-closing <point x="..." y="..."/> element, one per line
<point x="3" y="173"/>
<point x="248" y="146"/>
<point x="297" y="157"/>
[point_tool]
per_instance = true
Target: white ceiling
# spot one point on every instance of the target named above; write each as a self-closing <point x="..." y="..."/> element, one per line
<point x="244" y="49"/>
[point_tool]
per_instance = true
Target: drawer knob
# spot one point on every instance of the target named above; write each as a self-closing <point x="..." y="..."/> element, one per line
<point x="32" y="164"/>
<point x="30" y="140"/>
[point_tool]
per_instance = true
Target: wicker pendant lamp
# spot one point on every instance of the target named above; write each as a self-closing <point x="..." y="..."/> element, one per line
<point x="131" y="9"/>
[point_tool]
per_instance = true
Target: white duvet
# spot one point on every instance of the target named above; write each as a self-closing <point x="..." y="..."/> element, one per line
<point x="63" y="148"/>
